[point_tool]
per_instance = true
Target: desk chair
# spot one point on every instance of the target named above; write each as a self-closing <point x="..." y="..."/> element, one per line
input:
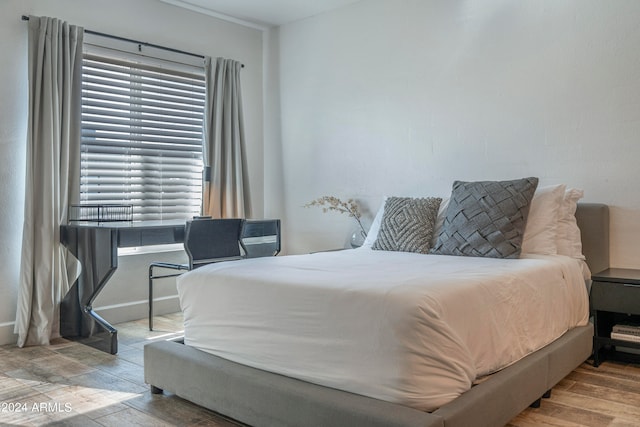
<point x="206" y="240"/>
<point x="261" y="237"/>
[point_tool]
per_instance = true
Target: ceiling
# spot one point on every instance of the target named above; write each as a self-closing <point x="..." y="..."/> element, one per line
<point x="261" y="13"/>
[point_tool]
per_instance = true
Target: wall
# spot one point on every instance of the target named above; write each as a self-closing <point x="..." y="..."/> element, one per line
<point x="403" y="97"/>
<point x="145" y="20"/>
<point x="378" y="98"/>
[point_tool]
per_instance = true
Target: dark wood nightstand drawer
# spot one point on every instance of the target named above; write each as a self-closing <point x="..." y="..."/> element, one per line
<point x="617" y="297"/>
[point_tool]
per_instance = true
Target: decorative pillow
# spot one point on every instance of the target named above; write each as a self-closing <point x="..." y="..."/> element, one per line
<point x="407" y="224"/>
<point x="486" y="218"/>
<point x="542" y="223"/>
<point x="568" y="240"/>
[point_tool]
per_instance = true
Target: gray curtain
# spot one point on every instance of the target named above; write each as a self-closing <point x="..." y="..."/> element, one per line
<point x="225" y="193"/>
<point x="52" y="175"/>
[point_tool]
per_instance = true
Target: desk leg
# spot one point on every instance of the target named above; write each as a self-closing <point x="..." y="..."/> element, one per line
<point x="97" y="251"/>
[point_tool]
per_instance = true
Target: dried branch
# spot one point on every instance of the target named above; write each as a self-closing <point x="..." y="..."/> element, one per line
<point x="331" y="203"/>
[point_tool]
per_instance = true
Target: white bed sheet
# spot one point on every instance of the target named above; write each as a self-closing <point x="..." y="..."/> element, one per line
<point x="407" y="328"/>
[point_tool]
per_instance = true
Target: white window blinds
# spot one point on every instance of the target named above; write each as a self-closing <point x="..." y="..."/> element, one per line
<point x="142" y="135"/>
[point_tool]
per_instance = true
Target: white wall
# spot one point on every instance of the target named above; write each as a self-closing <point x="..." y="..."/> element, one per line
<point x="379" y="98"/>
<point x="403" y="97"/>
<point x="145" y="20"/>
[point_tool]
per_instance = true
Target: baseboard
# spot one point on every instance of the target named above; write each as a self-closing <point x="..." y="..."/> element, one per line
<point x="135" y="310"/>
<point x="116" y="313"/>
<point x="6" y="333"/>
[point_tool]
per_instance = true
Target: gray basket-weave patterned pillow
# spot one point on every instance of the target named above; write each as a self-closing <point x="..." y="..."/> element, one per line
<point x="407" y="224"/>
<point x="486" y="218"/>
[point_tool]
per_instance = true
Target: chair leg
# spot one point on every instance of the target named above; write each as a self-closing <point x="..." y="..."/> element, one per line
<point x="151" y="297"/>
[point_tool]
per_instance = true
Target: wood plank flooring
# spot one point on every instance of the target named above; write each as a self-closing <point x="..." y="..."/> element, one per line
<point x="69" y="384"/>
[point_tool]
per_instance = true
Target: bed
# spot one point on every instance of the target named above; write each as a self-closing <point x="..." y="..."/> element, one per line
<point x="274" y="388"/>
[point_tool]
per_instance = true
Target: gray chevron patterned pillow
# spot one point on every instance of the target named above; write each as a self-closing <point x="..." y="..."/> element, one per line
<point x="407" y="224"/>
<point x="486" y="218"/>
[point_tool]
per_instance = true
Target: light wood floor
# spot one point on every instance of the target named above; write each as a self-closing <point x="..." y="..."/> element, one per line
<point x="72" y="384"/>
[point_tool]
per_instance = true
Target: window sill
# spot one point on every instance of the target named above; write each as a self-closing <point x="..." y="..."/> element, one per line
<point x="152" y="249"/>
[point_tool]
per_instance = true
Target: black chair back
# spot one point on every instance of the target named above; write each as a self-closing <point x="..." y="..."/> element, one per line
<point x="261" y="237"/>
<point x="209" y="240"/>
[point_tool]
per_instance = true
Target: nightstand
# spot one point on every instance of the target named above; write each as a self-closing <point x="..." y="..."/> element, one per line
<point x="614" y="299"/>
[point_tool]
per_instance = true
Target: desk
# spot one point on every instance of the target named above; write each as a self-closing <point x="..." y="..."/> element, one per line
<point x="96" y="247"/>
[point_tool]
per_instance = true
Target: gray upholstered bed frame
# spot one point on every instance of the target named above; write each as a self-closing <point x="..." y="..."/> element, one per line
<point x="262" y="398"/>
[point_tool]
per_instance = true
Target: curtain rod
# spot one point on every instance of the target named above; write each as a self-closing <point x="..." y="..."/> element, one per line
<point x="95" y="33"/>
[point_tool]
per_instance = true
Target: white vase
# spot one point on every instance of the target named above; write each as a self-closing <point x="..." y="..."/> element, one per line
<point x="357" y="238"/>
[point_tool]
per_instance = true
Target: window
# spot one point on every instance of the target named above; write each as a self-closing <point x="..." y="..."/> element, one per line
<point x="141" y="134"/>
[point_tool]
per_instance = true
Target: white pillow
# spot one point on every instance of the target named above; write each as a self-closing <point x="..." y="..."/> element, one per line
<point x="542" y="222"/>
<point x="568" y="240"/>
<point x="372" y="235"/>
<point x="442" y="213"/>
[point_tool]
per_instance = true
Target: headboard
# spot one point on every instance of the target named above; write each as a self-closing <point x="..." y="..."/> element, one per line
<point x="593" y="221"/>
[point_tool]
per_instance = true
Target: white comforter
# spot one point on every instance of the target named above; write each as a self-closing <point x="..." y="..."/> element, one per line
<point x="407" y="328"/>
